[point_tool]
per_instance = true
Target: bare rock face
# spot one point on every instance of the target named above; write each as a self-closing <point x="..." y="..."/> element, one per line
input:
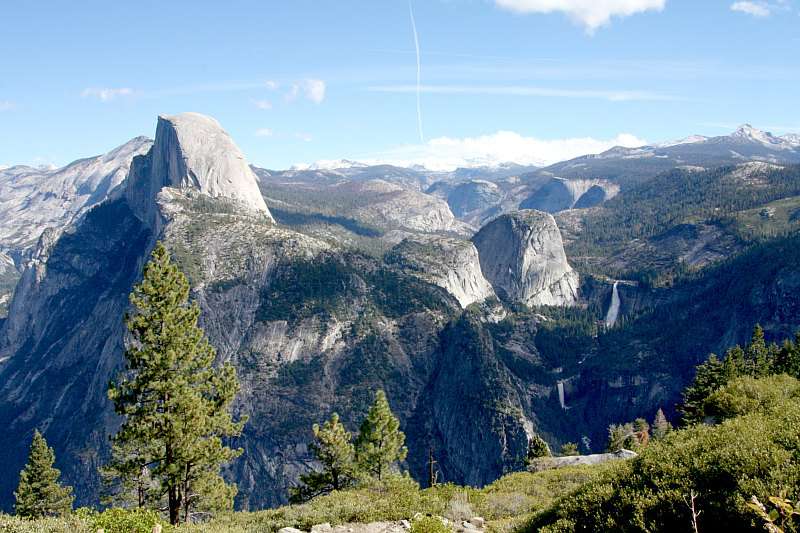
<point x="192" y="151"/>
<point x="522" y="256"/>
<point x="34" y="199"/>
<point x="450" y="263"/>
<point x="559" y="194"/>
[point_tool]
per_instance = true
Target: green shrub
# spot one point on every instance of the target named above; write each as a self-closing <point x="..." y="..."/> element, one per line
<point x="67" y="524"/>
<point x="725" y="465"/>
<point x="117" y="520"/>
<point x="429" y="524"/>
<point x="749" y="395"/>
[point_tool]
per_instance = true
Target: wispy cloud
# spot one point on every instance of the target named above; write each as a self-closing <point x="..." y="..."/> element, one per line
<point x="756" y="9"/>
<point x="305" y="137"/>
<point x="265" y="105"/>
<point x="264" y="132"/>
<point x="105" y="94"/>
<point x="521" y="90"/>
<point x="448" y="153"/>
<point x="592" y="14"/>
<point x="6" y="105"/>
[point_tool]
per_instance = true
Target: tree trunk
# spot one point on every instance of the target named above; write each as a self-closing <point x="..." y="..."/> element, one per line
<point x="173" y="498"/>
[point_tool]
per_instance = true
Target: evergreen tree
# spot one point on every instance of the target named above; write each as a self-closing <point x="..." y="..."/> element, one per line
<point x="621" y="436"/>
<point x="126" y="478"/>
<point x="569" y="449"/>
<point x="380" y="442"/>
<point x="787" y="359"/>
<point x="661" y="425"/>
<point x="39" y="493"/>
<point x="333" y="448"/>
<point x="709" y="376"/>
<point x="758" y="355"/>
<point x="537" y="447"/>
<point x="175" y="404"/>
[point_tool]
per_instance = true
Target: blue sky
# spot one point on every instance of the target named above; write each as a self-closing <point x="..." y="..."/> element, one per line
<point x="306" y="80"/>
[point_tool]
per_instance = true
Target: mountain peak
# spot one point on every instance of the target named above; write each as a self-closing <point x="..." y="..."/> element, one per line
<point x="748" y="132"/>
<point x="193" y="151"/>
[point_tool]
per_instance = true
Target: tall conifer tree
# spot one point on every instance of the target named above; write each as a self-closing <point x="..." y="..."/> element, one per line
<point x="333" y="448"/>
<point x="175" y="404"/>
<point x="380" y="442"/>
<point x="39" y="493"/>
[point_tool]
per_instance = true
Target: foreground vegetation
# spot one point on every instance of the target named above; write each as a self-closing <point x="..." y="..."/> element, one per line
<point x="506" y="504"/>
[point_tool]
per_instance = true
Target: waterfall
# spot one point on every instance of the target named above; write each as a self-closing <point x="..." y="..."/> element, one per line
<point x="613" y="309"/>
<point x="560" y="386"/>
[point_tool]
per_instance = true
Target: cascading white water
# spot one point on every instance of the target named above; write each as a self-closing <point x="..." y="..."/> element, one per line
<point x="613" y="309"/>
<point x="560" y="386"/>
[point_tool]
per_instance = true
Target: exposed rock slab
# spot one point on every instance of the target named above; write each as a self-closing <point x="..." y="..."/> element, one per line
<point x="192" y="151"/>
<point x="546" y="463"/>
<point x="522" y="256"/>
<point x="452" y="264"/>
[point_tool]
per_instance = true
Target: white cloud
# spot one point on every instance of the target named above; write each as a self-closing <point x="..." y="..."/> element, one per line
<point x="106" y="94"/>
<point x="521" y="90"/>
<point x="311" y="89"/>
<point x="266" y="105"/>
<point x="590" y="13"/>
<point x="6" y="105"/>
<point x="447" y="153"/>
<point x="756" y="9"/>
<point x="271" y="85"/>
<point x="315" y="90"/>
<point x="305" y="137"/>
<point x="264" y="132"/>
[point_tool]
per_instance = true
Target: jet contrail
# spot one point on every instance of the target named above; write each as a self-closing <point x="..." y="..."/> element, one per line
<point x="419" y="77"/>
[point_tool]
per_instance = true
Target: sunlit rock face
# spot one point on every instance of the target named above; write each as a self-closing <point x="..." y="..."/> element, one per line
<point x="192" y="151"/>
<point x="522" y="256"/>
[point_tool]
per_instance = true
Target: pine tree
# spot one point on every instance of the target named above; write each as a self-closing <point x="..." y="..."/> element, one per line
<point x="569" y="449"/>
<point x="333" y="448"/>
<point x="537" y="447"/>
<point x="661" y="425"/>
<point x="39" y="493"/>
<point x="621" y="436"/>
<point x="175" y="404"/>
<point x="709" y="376"/>
<point x="787" y="359"/>
<point x="380" y="442"/>
<point x="758" y="355"/>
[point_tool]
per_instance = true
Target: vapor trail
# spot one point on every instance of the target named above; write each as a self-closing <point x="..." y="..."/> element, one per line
<point x="419" y="74"/>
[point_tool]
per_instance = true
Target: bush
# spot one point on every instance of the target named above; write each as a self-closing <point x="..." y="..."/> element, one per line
<point x="749" y="395"/>
<point x="116" y="520"/>
<point x="429" y="524"/>
<point x="725" y="465"/>
<point x="68" y="524"/>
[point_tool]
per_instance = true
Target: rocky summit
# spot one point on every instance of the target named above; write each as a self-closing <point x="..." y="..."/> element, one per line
<point x="522" y="256"/>
<point x="192" y="151"/>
